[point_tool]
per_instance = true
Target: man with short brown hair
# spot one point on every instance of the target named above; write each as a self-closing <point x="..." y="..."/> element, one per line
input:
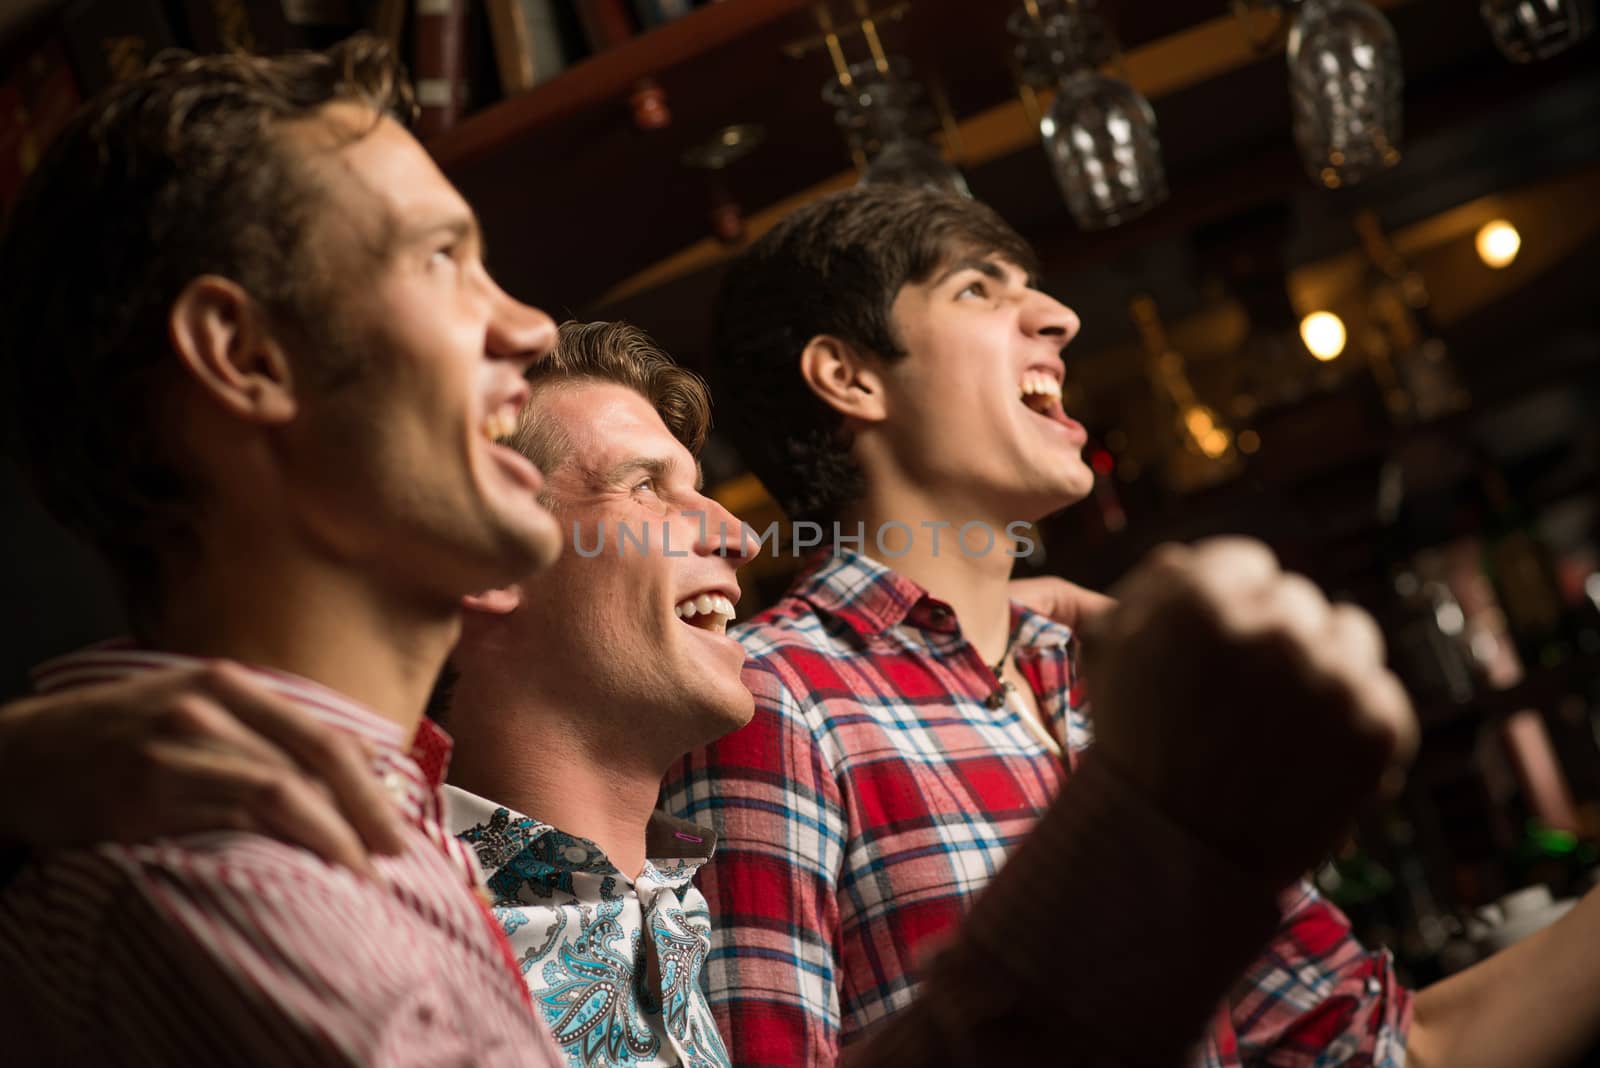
<point x="580" y="686"/>
<point x="294" y="473"/>
<point x="335" y="520"/>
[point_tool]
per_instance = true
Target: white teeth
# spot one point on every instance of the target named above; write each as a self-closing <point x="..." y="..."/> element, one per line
<point x="500" y="423"/>
<point x="1037" y="382"/>
<point x="715" y="605"/>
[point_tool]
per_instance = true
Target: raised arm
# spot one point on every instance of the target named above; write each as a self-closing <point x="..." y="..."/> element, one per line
<point x="1241" y="722"/>
<point x="1535" y="1004"/>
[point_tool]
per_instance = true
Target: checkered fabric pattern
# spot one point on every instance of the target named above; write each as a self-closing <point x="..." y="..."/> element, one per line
<point x="875" y="794"/>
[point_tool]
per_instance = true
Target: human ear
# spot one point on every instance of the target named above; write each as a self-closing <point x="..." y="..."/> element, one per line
<point x="221" y="334"/>
<point x="845" y="379"/>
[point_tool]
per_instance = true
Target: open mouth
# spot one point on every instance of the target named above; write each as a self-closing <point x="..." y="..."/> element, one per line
<point x="498" y="428"/>
<point x="1041" y="394"/>
<point x="498" y="425"/>
<point x="706" y="611"/>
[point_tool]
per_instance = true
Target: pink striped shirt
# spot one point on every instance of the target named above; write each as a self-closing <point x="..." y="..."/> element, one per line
<point x="231" y="948"/>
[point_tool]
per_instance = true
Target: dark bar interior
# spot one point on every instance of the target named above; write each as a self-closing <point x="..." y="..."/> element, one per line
<point x="1361" y="325"/>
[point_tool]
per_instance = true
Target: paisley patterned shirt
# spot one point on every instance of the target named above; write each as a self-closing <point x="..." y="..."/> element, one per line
<point x="613" y="967"/>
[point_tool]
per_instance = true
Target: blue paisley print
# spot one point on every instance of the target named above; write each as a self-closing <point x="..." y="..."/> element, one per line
<point x="613" y="966"/>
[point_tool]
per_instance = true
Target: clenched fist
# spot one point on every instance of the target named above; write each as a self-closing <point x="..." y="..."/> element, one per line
<point x="1250" y="710"/>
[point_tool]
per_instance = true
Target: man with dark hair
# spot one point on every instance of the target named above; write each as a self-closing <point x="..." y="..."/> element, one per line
<point x="892" y="371"/>
<point x="860" y="253"/>
<point x="298" y="473"/>
<point x="577" y="688"/>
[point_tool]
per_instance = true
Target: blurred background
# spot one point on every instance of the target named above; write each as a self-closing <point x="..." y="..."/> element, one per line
<point x="1338" y="266"/>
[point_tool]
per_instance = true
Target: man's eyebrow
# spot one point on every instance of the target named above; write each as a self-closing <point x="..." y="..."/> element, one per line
<point x="619" y="473"/>
<point x="655" y="467"/>
<point x="463" y="226"/>
<point x="987" y="268"/>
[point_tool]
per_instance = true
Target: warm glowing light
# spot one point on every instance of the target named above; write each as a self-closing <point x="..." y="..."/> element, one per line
<point x="1323" y="333"/>
<point x="1215" y="444"/>
<point x="1200" y="421"/>
<point x="1498" y="242"/>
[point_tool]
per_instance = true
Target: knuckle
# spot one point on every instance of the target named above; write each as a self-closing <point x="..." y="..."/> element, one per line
<point x="1237" y="551"/>
<point x="1354" y="622"/>
<point x="274" y="793"/>
<point x="217" y="678"/>
<point x="188" y="713"/>
<point x="1293" y="584"/>
<point x="1167" y="560"/>
<point x="221" y="675"/>
<point x="1295" y="603"/>
<point x="338" y="748"/>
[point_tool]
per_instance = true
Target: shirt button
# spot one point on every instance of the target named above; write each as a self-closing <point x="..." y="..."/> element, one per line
<point x="575" y="854"/>
<point x="395" y="783"/>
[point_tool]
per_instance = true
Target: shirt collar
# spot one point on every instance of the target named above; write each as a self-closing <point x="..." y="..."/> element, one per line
<point x="865" y="594"/>
<point x="499" y="835"/>
<point x="409" y="773"/>
<point x="871" y="598"/>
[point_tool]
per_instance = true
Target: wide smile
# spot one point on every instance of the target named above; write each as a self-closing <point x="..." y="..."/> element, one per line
<point x="709" y="611"/>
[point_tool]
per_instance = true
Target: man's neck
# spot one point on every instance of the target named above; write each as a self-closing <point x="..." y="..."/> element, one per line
<point x="321" y="621"/>
<point x="972" y="582"/>
<point x="515" y="751"/>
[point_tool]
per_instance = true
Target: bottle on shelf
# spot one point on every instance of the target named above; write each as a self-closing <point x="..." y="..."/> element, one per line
<point x="1520" y="567"/>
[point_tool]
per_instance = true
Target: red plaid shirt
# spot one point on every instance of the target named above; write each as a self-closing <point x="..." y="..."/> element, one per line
<point x="875" y="793"/>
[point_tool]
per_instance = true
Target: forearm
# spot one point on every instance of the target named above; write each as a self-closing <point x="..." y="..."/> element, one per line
<point x="1105" y="898"/>
<point x="1535" y="1003"/>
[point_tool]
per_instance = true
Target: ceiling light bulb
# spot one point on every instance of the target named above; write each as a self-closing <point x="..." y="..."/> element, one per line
<point x="1215" y="444"/>
<point x="1498" y="242"/>
<point x="1200" y="421"/>
<point x="1324" y="334"/>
